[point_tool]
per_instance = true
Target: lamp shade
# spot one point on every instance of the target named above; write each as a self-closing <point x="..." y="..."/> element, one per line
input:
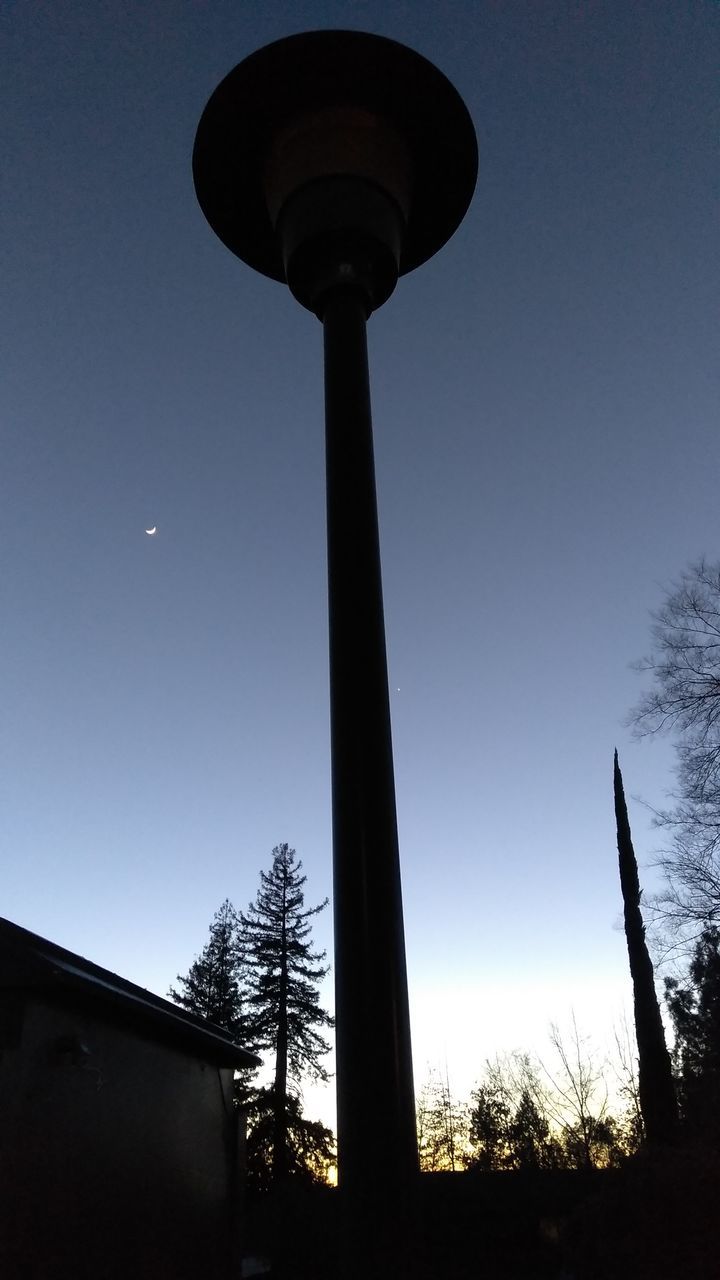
<point x="355" y="105"/>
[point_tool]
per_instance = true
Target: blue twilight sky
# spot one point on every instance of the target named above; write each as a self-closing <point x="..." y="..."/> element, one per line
<point x="546" y="424"/>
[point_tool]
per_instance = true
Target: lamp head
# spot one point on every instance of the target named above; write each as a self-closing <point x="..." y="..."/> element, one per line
<point x="335" y="159"/>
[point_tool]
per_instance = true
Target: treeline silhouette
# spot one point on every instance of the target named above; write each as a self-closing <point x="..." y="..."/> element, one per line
<point x="533" y="1113"/>
<point x="580" y="1108"/>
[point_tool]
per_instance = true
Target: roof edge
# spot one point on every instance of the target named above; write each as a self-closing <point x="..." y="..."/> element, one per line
<point x="30" y="961"/>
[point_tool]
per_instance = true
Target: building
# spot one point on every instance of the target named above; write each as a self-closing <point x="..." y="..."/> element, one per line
<point x="121" y="1151"/>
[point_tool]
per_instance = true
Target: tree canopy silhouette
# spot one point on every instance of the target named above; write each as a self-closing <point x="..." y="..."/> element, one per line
<point x="695" y="1011"/>
<point x="283" y="975"/>
<point x="684" y="700"/>
<point x="212" y="986"/>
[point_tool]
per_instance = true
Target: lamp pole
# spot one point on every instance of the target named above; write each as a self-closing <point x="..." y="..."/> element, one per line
<point x="376" y="1107"/>
<point x="335" y="161"/>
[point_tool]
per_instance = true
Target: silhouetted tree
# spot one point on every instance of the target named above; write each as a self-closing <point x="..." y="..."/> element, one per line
<point x="441" y="1126"/>
<point x="212" y="987"/>
<point x="578" y="1099"/>
<point x="657" y="1090"/>
<point x="695" y="1012"/>
<point x="685" y="701"/>
<point x="283" y="1000"/>
<point x="490" y="1113"/>
<point x="309" y="1146"/>
<point x="631" y="1129"/>
<point x="525" y="1116"/>
<point x="530" y="1143"/>
<point x="509" y="1123"/>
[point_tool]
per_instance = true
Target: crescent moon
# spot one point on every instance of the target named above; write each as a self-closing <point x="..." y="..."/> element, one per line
<point x="151" y="532"/>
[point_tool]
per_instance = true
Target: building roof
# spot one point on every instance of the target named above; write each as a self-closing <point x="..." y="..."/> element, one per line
<point x="29" y="962"/>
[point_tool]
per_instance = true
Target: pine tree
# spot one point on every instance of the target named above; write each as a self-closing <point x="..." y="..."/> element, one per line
<point x="529" y="1142"/>
<point x="211" y="989"/>
<point x="695" y="1010"/>
<point x="490" y="1116"/>
<point x="657" y="1090"/>
<point x="283" y="976"/>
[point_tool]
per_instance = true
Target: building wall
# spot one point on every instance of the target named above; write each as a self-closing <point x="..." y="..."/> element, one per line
<point x="118" y="1154"/>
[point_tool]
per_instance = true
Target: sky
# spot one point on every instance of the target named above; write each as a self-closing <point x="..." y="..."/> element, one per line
<point x="546" y="432"/>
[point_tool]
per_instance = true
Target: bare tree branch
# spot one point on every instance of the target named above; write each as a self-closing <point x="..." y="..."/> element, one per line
<point x="684" y="701"/>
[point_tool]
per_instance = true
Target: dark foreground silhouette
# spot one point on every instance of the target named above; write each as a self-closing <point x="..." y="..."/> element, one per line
<point x="654" y="1219"/>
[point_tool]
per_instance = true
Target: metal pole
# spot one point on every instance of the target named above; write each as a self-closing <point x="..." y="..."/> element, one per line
<point x="377" y="1144"/>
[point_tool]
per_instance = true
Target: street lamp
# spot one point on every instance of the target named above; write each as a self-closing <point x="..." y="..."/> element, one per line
<point x="335" y="161"/>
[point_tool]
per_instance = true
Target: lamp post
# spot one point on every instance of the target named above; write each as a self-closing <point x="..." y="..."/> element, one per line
<point x="336" y="161"/>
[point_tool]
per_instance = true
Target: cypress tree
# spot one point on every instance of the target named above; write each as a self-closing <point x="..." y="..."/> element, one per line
<point x="656" y="1087"/>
